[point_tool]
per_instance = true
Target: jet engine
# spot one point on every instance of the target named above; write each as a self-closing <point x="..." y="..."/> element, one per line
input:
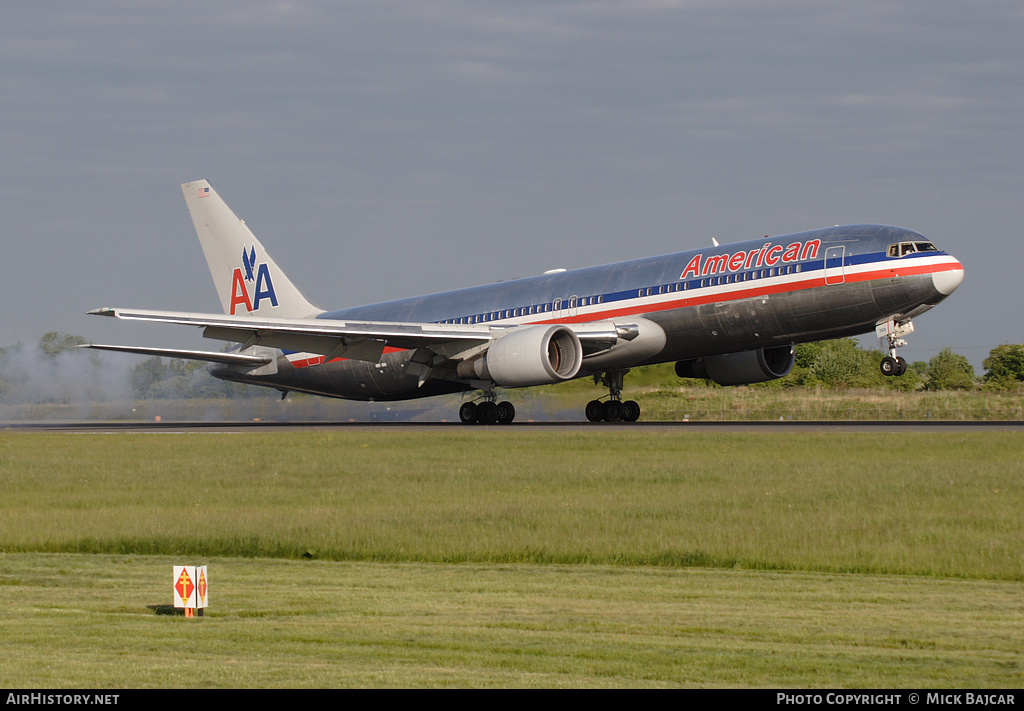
<point x="743" y="368"/>
<point x="532" y="355"/>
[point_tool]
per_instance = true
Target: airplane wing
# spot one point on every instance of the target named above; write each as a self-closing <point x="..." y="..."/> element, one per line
<point x="357" y="340"/>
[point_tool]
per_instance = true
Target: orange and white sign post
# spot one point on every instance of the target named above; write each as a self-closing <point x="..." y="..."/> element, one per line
<point x="191" y="588"/>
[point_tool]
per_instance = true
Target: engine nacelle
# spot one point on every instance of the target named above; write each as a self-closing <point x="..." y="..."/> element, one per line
<point x="756" y="366"/>
<point x="646" y="340"/>
<point x="532" y="355"/>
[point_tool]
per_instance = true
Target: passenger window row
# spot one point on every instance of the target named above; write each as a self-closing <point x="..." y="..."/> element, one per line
<point x="574" y="302"/>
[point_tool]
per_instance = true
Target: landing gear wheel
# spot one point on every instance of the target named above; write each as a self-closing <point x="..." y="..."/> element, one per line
<point x="612" y="411"/>
<point x="468" y="413"/>
<point x="487" y="413"/>
<point x="506" y="413"/>
<point x="889" y="366"/>
<point x="594" y="411"/>
<point x="901" y="364"/>
<point x="630" y="411"/>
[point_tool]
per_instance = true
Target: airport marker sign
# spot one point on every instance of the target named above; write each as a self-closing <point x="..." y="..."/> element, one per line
<point x="191" y="590"/>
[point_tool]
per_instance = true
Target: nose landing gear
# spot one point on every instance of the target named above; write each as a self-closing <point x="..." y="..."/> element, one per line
<point x="893" y="365"/>
<point x="890" y="335"/>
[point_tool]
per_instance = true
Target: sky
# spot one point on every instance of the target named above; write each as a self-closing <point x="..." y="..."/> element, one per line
<point x="390" y="148"/>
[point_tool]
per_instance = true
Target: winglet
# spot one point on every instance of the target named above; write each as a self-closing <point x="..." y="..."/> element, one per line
<point x="248" y="281"/>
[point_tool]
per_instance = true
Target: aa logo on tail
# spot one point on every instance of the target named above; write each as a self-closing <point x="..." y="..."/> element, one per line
<point x="263" y="288"/>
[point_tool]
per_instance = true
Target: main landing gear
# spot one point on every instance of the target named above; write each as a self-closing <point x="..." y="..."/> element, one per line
<point x="889" y="336"/>
<point x="487" y="412"/>
<point x="612" y="409"/>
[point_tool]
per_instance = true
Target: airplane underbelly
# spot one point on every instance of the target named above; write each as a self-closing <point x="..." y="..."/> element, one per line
<point x="903" y="293"/>
<point x="347" y="379"/>
<point x="715" y="328"/>
<point x="823" y="312"/>
<point x="387" y="379"/>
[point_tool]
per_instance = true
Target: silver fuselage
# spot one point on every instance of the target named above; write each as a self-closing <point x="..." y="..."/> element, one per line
<point x="764" y="293"/>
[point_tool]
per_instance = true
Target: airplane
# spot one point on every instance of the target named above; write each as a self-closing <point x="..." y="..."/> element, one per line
<point x="729" y="313"/>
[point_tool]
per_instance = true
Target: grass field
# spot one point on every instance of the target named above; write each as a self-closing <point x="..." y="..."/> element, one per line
<point x="516" y="558"/>
<point x="82" y="621"/>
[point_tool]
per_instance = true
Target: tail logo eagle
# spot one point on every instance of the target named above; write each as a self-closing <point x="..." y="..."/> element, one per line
<point x="264" y="288"/>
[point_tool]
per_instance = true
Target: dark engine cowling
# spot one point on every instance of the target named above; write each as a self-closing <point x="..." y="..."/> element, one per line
<point x="742" y="368"/>
<point x="534" y="355"/>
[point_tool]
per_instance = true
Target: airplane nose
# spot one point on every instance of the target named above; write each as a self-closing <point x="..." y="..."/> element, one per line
<point x="949" y="279"/>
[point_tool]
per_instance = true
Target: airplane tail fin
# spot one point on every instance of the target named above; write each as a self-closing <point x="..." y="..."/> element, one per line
<point x="248" y="281"/>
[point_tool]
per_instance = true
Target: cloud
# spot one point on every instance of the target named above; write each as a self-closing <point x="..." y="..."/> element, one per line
<point x="390" y="148"/>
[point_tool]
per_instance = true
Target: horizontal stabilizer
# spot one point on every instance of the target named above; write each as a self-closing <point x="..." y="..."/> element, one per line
<point x="209" y="356"/>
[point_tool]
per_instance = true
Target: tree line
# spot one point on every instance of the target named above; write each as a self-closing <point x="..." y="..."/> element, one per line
<point x="843" y="363"/>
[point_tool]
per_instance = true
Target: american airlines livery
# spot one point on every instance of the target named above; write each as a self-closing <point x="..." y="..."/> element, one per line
<point x="730" y="313"/>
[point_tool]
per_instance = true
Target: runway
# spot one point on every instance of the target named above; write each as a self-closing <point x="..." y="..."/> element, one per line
<point x="763" y="425"/>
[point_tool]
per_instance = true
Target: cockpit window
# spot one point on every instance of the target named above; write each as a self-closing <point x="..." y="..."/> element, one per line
<point x="904" y="248"/>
